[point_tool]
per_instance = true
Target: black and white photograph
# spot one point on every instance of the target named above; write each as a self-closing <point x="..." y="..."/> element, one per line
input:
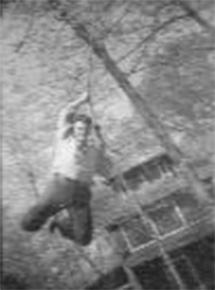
<point x="107" y="144"/>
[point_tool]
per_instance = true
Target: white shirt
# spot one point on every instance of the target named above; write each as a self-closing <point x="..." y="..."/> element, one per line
<point x="76" y="163"/>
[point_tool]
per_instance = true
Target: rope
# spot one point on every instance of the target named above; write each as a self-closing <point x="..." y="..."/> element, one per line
<point x="90" y="69"/>
<point x="96" y="127"/>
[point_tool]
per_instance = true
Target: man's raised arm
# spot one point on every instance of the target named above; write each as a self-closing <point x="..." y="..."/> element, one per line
<point x="70" y="109"/>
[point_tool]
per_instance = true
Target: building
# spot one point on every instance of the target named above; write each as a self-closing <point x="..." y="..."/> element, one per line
<point x="163" y="233"/>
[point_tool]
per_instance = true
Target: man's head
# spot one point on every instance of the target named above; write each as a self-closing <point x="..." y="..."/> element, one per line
<point x="81" y="126"/>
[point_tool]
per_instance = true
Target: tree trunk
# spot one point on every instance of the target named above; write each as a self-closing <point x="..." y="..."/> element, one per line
<point x="143" y="109"/>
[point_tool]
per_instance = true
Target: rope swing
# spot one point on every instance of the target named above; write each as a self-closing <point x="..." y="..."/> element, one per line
<point x="96" y="126"/>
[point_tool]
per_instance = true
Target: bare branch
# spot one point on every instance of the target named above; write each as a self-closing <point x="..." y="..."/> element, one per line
<point x="117" y="22"/>
<point x="134" y="70"/>
<point x="195" y="15"/>
<point x="151" y="36"/>
<point x="20" y="45"/>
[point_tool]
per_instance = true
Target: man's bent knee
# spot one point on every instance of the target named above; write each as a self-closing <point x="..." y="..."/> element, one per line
<point x="83" y="239"/>
<point x="34" y="219"/>
<point x="82" y="236"/>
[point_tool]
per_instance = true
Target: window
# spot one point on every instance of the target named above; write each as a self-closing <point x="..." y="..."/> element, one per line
<point x="154" y="275"/>
<point x="126" y="287"/>
<point x="188" y="205"/>
<point x="165" y="163"/>
<point x="151" y="170"/>
<point x="146" y="171"/>
<point x="134" y="177"/>
<point x="201" y="256"/>
<point x="136" y="233"/>
<point x="185" y="269"/>
<point x="193" y="268"/>
<point x="165" y="218"/>
<point x="117" y="279"/>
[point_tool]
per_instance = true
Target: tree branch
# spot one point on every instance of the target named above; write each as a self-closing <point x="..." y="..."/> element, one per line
<point x="195" y="15"/>
<point x="151" y="36"/>
<point x="20" y="45"/>
<point x="117" y="22"/>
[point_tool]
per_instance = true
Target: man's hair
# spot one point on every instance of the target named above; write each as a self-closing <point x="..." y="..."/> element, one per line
<point x="73" y="118"/>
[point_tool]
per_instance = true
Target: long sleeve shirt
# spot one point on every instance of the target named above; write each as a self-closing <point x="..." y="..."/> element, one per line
<point x="74" y="162"/>
<point x="79" y="164"/>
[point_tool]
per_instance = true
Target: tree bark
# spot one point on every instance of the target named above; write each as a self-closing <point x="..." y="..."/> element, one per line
<point x="143" y="108"/>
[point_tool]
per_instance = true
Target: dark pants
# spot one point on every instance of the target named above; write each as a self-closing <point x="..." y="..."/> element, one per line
<point x="63" y="193"/>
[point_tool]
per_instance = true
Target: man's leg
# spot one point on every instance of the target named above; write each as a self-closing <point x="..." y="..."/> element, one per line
<point x="82" y="224"/>
<point x="58" y="195"/>
<point x="75" y="223"/>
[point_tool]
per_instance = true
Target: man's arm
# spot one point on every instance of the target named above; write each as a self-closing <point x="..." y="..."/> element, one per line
<point x="71" y="108"/>
<point x="100" y="138"/>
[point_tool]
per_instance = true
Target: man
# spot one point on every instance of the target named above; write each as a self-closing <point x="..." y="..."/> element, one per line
<point x="76" y="160"/>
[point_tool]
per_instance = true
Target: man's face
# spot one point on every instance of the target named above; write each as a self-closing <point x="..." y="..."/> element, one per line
<point x="80" y="131"/>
